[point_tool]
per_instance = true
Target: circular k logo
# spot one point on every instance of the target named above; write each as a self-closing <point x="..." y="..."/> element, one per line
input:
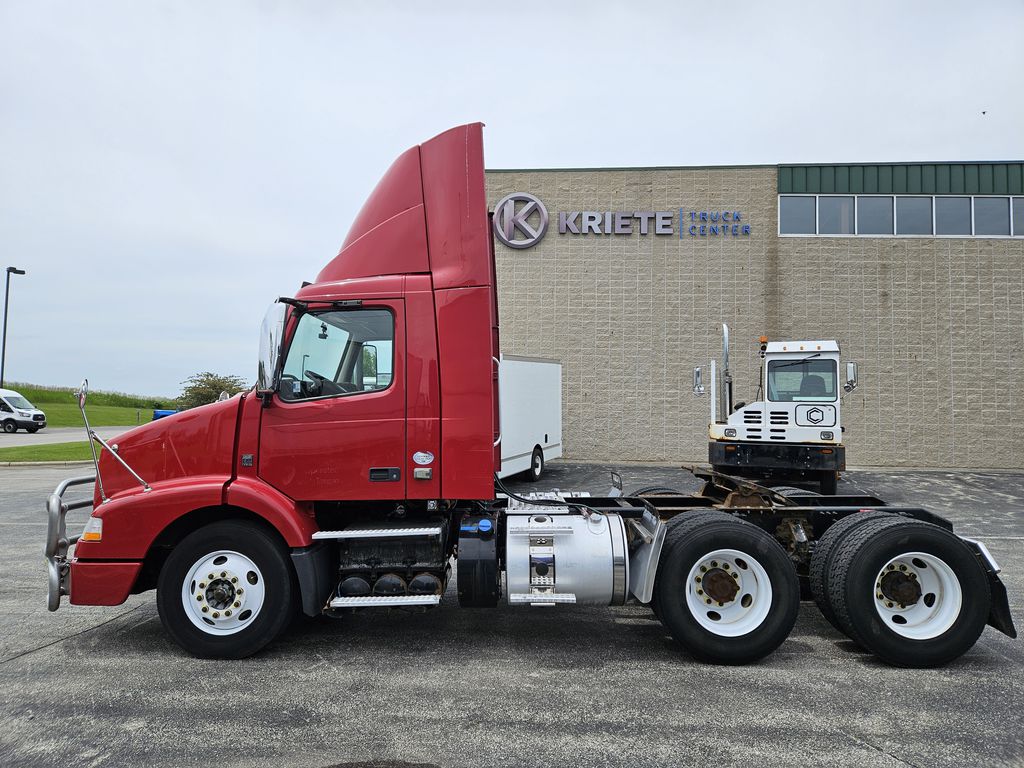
<point x="512" y="218"/>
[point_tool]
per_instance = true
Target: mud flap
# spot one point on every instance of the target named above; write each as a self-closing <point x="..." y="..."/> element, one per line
<point x="316" y="577"/>
<point x="999" y="615"/>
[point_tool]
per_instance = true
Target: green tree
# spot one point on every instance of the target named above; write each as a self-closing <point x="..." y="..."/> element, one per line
<point x="203" y="388"/>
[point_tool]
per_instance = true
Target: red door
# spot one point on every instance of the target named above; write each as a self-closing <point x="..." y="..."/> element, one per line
<point x="336" y="427"/>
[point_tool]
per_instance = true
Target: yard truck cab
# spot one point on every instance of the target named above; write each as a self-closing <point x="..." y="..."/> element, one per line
<point x="793" y="429"/>
<point x="360" y="474"/>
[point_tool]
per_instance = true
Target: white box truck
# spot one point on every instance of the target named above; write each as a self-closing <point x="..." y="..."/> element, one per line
<point x="530" y="397"/>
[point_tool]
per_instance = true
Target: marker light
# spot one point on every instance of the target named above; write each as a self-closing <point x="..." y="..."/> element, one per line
<point x="764" y="339"/>
<point x="93" y="530"/>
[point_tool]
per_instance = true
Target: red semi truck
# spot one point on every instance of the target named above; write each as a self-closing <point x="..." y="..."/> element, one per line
<point x="362" y="466"/>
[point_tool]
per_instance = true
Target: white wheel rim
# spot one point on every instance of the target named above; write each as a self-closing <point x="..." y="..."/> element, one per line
<point x="930" y="608"/>
<point x="537" y="463"/>
<point x="748" y="607"/>
<point x="229" y="586"/>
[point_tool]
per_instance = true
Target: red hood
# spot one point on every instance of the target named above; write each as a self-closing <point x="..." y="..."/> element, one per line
<point x="196" y="442"/>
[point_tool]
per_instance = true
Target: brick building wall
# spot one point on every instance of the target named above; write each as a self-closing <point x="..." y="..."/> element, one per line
<point x="936" y="324"/>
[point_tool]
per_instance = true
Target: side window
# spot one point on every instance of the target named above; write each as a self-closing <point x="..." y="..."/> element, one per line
<point x="4" y="407"/>
<point x="339" y="353"/>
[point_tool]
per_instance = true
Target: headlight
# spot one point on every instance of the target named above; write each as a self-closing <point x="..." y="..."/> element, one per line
<point x="826" y="435"/>
<point x="93" y="530"/>
<point x="26" y="414"/>
<point x="730" y="433"/>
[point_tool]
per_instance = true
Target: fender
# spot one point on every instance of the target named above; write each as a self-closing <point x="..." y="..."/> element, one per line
<point x="133" y="520"/>
<point x="294" y="520"/>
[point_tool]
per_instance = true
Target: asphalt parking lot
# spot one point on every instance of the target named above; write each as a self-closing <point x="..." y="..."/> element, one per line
<point x="509" y="687"/>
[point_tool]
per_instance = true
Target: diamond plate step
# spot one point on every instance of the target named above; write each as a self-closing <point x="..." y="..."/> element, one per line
<point x="380" y="533"/>
<point x="541" y="599"/>
<point x="375" y="601"/>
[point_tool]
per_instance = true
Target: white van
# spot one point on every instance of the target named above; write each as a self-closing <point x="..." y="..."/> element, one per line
<point x="530" y="396"/>
<point x="16" y="411"/>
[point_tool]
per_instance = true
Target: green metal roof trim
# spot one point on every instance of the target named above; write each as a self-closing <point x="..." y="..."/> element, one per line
<point x="903" y="179"/>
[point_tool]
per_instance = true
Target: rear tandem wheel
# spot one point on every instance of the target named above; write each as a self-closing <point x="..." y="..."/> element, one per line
<point x="910" y="592"/>
<point x="725" y="589"/>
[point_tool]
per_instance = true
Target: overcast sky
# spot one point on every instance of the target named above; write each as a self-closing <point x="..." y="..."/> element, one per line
<point x="168" y="168"/>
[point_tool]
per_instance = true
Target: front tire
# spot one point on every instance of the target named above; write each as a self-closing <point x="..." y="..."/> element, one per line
<point x="536" y="470"/>
<point x="910" y="592"/>
<point x="726" y="590"/>
<point x="31" y="430"/>
<point x="227" y="590"/>
<point x="10" y="427"/>
<point x="829" y="482"/>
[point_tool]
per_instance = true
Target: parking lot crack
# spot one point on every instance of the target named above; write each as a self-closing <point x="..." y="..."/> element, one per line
<point x="69" y="637"/>
<point x="878" y="749"/>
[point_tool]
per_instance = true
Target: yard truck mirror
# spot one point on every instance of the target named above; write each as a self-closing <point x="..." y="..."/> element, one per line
<point x="271" y="334"/>
<point x="698" y="381"/>
<point x="851" y="377"/>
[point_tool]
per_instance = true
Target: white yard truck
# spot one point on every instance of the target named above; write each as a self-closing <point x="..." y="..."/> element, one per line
<point x="792" y="430"/>
<point x="530" y="394"/>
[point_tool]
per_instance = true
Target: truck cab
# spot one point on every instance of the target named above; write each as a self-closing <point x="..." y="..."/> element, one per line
<point x="793" y="429"/>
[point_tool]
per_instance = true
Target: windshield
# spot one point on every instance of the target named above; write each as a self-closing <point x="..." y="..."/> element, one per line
<point x="807" y="380"/>
<point x="20" y="402"/>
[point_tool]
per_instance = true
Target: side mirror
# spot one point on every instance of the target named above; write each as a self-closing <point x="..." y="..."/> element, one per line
<point x="851" y="377"/>
<point x="698" y="381"/>
<point x="371" y="380"/>
<point x="83" y="393"/>
<point x="271" y="334"/>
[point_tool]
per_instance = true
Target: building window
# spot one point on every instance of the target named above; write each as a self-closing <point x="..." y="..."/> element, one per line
<point x="797" y="215"/>
<point x="992" y="216"/>
<point x="874" y="216"/>
<point x="952" y="216"/>
<point x="913" y="215"/>
<point x="835" y="215"/>
<point x="906" y="215"/>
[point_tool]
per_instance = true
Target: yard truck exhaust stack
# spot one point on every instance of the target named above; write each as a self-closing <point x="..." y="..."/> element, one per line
<point x="360" y="473"/>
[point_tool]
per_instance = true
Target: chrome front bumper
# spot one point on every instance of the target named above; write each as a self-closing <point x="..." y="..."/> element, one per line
<point x="57" y="540"/>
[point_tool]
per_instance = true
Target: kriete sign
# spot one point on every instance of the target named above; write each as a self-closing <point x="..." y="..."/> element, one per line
<point x="521" y="220"/>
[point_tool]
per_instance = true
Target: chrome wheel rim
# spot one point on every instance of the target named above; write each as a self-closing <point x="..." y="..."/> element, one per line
<point x="223" y="592"/>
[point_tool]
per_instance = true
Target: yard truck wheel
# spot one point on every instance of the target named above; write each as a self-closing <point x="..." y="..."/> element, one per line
<point x="829" y="482"/>
<point x="910" y="592"/>
<point x="823" y="555"/>
<point x="789" y="490"/>
<point x="726" y="590"/>
<point x="536" y="470"/>
<point x="10" y="427"/>
<point x="226" y="590"/>
<point x="31" y="430"/>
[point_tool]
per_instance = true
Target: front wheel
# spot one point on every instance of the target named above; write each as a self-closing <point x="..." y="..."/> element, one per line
<point x="726" y="590"/>
<point x="226" y="590"/>
<point x="10" y="427"/>
<point x="31" y="430"/>
<point x="536" y="470"/>
<point x="829" y="482"/>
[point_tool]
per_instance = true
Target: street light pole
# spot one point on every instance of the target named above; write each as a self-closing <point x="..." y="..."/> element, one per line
<point x="7" y="301"/>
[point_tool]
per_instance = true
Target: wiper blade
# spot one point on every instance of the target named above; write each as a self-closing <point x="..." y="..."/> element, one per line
<point x="798" y="362"/>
